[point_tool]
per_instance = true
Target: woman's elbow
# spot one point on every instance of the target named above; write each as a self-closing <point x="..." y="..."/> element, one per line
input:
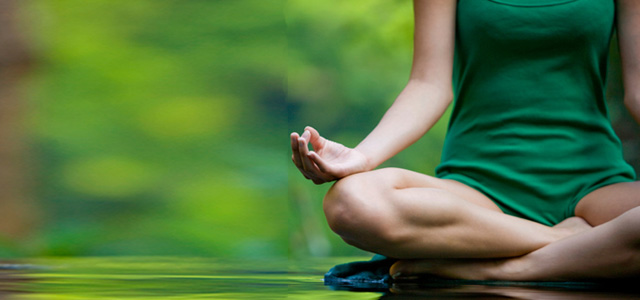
<point x="632" y="102"/>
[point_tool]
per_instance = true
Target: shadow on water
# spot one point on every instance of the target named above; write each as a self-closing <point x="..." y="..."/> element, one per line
<point x="207" y="278"/>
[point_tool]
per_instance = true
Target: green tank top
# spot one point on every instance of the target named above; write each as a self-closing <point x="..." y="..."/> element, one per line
<point x="530" y="127"/>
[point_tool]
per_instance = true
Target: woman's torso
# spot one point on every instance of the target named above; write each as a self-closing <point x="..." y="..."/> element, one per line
<point x="530" y="120"/>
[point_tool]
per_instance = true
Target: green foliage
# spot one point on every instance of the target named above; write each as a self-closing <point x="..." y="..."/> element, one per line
<point x="160" y="125"/>
<point x="154" y="124"/>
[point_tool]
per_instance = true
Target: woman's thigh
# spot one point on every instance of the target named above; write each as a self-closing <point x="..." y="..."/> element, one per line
<point x="396" y="178"/>
<point x="609" y="202"/>
<point x="404" y="214"/>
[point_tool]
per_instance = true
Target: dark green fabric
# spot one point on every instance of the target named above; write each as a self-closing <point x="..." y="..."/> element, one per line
<point x="530" y="127"/>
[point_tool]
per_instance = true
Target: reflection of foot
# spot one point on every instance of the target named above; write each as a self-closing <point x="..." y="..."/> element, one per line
<point x="455" y="290"/>
<point x="572" y="226"/>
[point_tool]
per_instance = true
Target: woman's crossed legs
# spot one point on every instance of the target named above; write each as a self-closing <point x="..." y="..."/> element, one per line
<point x="446" y="228"/>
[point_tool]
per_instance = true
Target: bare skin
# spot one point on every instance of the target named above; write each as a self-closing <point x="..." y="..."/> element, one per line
<point x="403" y="214"/>
<point x="446" y="228"/>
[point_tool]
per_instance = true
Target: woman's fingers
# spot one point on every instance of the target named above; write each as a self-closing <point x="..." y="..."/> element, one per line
<point x="309" y="167"/>
<point x="306" y="136"/>
<point x="294" y="148"/>
<point x="304" y="173"/>
<point x="310" y="164"/>
<point x="314" y="138"/>
<point x="321" y="163"/>
<point x="303" y="149"/>
<point x="296" y="157"/>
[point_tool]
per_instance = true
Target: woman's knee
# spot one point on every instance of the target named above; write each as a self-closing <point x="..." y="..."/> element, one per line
<point x="355" y="205"/>
<point x="628" y="224"/>
<point x="369" y="210"/>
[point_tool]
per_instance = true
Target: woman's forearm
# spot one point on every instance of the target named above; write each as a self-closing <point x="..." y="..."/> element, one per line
<point x="418" y="107"/>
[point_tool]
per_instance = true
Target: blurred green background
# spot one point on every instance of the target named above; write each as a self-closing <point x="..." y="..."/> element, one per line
<point x="152" y="128"/>
<point x="161" y="127"/>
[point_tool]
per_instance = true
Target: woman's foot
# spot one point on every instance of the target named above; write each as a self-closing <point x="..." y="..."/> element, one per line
<point x="479" y="269"/>
<point x="572" y="226"/>
<point x="468" y="269"/>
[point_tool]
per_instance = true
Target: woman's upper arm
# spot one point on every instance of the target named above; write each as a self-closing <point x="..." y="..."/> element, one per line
<point x="628" y="27"/>
<point x="434" y="41"/>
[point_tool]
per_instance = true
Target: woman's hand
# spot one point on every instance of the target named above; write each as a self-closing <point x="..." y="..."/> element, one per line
<point x="329" y="161"/>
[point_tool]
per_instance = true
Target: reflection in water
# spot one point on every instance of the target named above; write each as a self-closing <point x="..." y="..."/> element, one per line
<point x="200" y="278"/>
<point x="418" y="291"/>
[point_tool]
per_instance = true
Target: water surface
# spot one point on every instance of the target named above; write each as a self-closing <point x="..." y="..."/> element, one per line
<point x="207" y="278"/>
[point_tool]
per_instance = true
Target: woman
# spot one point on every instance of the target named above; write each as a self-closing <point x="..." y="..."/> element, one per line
<point x="532" y="185"/>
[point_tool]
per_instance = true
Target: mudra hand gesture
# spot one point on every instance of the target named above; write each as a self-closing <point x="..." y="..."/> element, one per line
<point x="328" y="161"/>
